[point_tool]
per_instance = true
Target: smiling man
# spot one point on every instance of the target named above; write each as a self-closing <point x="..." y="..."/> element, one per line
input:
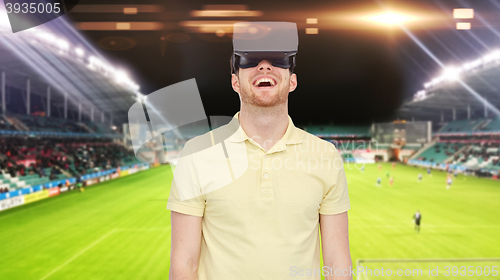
<point x="265" y="224"/>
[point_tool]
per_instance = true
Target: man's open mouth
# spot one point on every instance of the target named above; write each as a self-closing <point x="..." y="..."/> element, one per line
<point x="264" y="82"/>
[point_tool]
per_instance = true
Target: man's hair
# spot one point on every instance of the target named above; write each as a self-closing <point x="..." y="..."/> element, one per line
<point x="236" y="70"/>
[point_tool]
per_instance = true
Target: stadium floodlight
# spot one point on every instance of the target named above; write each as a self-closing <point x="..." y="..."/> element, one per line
<point x="62" y="44"/>
<point x="495" y="55"/>
<point x="420" y="95"/>
<point x="79" y="52"/>
<point x="4" y="19"/>
<point x="47" y="36"/>
<point x="390" y="18"/>
<point x="120" y="77"/>
<point x="452" y="73"/>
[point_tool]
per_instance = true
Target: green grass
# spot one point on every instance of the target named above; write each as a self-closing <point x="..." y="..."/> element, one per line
<point x="121" y="230"/>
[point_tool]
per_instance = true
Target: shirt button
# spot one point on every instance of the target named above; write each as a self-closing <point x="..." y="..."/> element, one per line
<point x="266" y="175"/>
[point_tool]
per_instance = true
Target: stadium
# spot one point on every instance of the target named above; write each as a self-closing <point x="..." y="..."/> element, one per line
<point x="407" y="92"/>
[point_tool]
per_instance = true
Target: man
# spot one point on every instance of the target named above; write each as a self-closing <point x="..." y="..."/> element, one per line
<point x="449" y="181"/>
<point x="264" y="225"/>
<point x="417" y="217"/>
<point x="419" y="177"/>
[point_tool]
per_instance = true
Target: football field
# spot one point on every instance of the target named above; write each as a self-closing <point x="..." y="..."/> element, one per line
<point x="120" y="229"/>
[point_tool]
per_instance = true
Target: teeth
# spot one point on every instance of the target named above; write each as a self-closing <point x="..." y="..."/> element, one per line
<point x="265" y="80"/>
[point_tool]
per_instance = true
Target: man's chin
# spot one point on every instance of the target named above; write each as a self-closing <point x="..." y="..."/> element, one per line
<point x="266" y="103"/>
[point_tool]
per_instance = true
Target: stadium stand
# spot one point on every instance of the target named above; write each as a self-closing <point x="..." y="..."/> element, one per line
<point x="482" y="156"/>
<point x="332" y="130"/>
<point x="491" y="125"/>
<point x="28" y="162"/>
<point x="99" y="127"/>
<point x="38" y="123"/>
<point x="4" y="124"/>
<point x="24" y="125"/>
<point x="461" y="126"/>
<point x="439" y="152"/>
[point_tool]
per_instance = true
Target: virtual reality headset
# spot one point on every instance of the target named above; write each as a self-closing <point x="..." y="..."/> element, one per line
<point x="276" y="42"/>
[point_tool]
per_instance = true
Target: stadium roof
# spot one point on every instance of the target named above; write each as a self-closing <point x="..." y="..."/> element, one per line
<point x="353" y="70"/>
<point x="52" y="56"/>
<point x="476" y="87"/>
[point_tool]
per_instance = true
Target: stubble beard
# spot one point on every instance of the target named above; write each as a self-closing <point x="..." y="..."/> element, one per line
<point x="252" y="96"/>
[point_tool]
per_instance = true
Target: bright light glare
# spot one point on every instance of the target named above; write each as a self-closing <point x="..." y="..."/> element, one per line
<point x="452" y="73"/>
<point x="62" y="44"/>
<point x="79" y="52"/>
<point x="390" y="18"/>
<point x="4" y="19"/>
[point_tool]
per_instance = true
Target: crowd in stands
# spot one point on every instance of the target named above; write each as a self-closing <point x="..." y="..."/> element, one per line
<point x="474" y="153"/>
<point x="59" y="158"/>
<point x="482" y="155"/>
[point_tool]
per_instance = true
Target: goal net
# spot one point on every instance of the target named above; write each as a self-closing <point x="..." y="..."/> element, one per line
<point x="427" y="269"/>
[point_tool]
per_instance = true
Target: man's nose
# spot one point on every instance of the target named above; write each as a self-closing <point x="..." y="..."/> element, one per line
<point x="265" y="65"/>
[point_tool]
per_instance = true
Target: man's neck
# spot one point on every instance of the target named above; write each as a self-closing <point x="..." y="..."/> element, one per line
<point x="265" y="126"/>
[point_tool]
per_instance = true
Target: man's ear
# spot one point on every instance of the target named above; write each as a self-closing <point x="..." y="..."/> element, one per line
<point x="235" y="82"/>
<point x="293" y="82"/>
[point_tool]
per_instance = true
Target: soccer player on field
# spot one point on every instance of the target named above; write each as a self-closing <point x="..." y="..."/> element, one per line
<point x="363" y="169"/>
<point x="417" y="217"/>
<point x="419" y="177"/>
<point x="379" y="180"/>
<point x="429" y="171"/>
<point x="391" y="181"/>
<point x="448" y="182"/>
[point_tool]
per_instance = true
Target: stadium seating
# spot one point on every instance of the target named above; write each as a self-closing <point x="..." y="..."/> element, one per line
<point x="461" y="126"/>
<point x="37" y="123"/>
<point x="99" y="128"/>
<point x="23" y="125"/>
<point x="29" y="162"/>
<point x="4" y="124"/>
<point x="333" y="130"/>
<point x="439" y="152"/>
<point x="480" y="156"/>
<point x="492" y="125"/>
<point x="348" y="157"/>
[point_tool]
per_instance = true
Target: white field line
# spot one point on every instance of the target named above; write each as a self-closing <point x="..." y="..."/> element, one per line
<point x="432" y="226"/>
<point x="143" y="229"/>
<point x="32" y="207"/>
<point x="78" y="254"/>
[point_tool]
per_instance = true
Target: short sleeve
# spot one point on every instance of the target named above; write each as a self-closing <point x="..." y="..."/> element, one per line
<point x="185" y="172"/>
<point x="193" y="206"/>
<point x="336" y="199"/>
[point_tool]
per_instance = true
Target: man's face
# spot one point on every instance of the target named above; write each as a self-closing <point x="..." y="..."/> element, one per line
<point x="264" y="85"/>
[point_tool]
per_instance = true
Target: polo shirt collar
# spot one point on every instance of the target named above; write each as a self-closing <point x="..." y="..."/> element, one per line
<point x="291" y="135"/>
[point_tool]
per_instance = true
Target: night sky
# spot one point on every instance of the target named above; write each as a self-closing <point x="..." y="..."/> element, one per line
<point x="349" y="73"/>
